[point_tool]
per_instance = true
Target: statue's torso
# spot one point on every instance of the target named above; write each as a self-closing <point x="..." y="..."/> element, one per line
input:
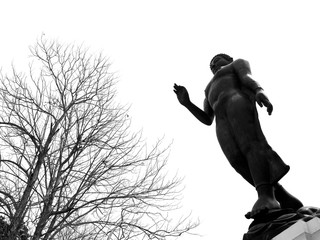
<point x="223" y="85"/>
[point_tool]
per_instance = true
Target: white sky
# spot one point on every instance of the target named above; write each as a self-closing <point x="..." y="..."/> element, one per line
<point x="154" y="44"/>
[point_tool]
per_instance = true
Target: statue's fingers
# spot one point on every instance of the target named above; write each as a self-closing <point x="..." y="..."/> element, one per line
<point x="176" y="91"/>
<point x="259" y="102"/>
<point x="268" y="105"/>
<point x="270" y="108"/>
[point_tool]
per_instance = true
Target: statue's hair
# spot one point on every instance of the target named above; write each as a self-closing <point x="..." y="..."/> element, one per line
<point x="225" y="56"/>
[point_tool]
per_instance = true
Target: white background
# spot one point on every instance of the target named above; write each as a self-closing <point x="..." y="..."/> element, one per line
<point x="153" y="44"/>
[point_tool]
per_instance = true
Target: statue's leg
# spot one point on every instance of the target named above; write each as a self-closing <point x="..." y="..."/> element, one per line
<point x="243" y="121"/>
<point x="231" y="150"/>
<point x="238" y="161"/>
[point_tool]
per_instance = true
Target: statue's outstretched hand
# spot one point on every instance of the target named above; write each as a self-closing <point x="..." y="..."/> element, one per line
<point x="263" y="100"/>
<point x="182" y="94"/>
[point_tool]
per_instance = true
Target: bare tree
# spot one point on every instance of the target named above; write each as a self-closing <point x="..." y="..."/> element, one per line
<point x="70" y="168"/>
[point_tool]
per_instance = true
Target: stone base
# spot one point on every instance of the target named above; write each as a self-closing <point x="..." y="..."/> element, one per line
<point x="301" y="230"/>
<point x="286" y="224"/>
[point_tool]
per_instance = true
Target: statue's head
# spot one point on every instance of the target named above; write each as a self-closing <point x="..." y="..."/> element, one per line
<point x="227" y="59"/>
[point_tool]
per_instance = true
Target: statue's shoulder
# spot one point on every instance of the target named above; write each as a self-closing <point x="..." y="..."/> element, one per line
<point x="241" y="65"/>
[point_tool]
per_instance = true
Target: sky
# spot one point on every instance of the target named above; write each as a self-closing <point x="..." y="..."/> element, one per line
<point x="154" y="44"/>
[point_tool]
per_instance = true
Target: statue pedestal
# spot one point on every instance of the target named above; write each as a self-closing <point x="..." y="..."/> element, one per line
<point x="286" y="224"/>
<point x="301" y="230"/>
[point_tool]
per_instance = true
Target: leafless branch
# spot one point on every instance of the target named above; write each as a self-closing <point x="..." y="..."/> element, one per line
<point x="68" y="159"/>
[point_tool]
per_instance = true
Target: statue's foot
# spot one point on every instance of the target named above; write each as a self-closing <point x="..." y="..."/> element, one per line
<point x="285" y="199"/>
<point x="262" y="205"/>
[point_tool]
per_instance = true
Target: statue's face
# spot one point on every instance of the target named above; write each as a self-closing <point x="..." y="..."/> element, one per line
<point x="219" y="62"/>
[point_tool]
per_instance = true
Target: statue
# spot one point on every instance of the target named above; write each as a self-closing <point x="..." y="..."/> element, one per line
<point x="230" y="97"/>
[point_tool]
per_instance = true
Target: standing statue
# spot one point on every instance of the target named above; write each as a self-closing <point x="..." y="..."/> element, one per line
<point x="230" y="97"/>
